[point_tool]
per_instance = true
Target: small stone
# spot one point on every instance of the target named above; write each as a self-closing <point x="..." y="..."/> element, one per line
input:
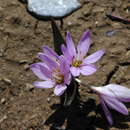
<point x="80" y="90"/>
<point x="7" y="81"/>
<point x="127" y="11"/>
<point x="52" y="95"/>
<point x="48" y="100"/>
<point x="52" y="8"/>
<point x="3" y="100"/>
<point x="96" y="22"/>
<point x="26" y="66"/>
<point x="91" y="114"/>
<point x="128" y="8"/>
<point x="128" y="53"/>
<point x="23" y="61"/>
<point x="29" y="87"/>
<point x="69" y="23"/>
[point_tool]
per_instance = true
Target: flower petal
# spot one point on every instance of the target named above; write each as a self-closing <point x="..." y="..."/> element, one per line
<point x="40" y="71"/>
<point x="50" y="62"/>
<point x="67" y="78"/>
<point x="103" y="91"/>
<point x="64" y="66"/>
<point x="88" y="69"/>
<point x="75" y="71"/>
<point x="50" y="52"/>
<point x="106" y="112"/>
<point x="84" y="44"/>
<point x="44" y="84"/>
<point x="115" y="104"/>
<point x="59" y="89"/>
<point x="94" y="57"/>
<point x="42" y="64"/>
<point x="66" y="54"/>
<point x="70" y="45"/>
<point x="64" y="49"/>
<point x="120" y="92"/>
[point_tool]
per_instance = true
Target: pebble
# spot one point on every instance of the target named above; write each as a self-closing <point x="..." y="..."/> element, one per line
<point x="26" y="66"/>
<point x="96" y="22"/>
<point x="69" y="23"/>
<point x="3" y="100"/>
<point x="128" y="53"/>
<point x="7" y="81"/>
<point x="23" y="61"/>
<point x="52" y="8"/>
<point x="29" y="87"/>
<point x="52" y="95"/>
<point x="48" y="100"/>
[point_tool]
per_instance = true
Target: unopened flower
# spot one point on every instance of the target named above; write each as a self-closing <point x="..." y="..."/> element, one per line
<point x="54" y="71"/>
<point x="76" y="57"/>
<point x="111" y="96"/>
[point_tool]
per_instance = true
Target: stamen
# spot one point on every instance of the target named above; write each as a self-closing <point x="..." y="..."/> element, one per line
<point x="76" y="63"/>
<point x="58" y="77"/>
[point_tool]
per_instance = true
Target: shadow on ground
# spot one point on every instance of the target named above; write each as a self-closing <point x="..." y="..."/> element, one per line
<point x="83" y="117"/>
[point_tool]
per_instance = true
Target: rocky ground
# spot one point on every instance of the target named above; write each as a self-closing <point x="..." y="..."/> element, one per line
<point x="23" y="107"/>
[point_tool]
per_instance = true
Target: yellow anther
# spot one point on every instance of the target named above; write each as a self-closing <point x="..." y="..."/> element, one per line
<point x="76" y="63"/>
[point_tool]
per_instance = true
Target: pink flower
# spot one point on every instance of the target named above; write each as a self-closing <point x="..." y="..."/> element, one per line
<point x="76" y="57"/>
<point x="111" y="96"/>
<point x="54" y="71"/>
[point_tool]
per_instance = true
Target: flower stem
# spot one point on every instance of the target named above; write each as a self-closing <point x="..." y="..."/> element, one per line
<point x="71" y="95"/>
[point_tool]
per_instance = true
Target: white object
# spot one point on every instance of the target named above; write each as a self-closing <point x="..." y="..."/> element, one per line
<point x="52" y="8"/>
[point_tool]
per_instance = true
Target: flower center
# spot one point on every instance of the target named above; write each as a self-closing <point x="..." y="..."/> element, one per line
<point x="58" y="77"/>
<point x="76" y="63"/>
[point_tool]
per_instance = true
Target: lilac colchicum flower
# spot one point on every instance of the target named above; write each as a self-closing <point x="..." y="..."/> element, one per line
<point x="111" y="96"/>
<point x="49" y="52"/>
<point x="76" y="57"/>
<point x="54" y="71"/>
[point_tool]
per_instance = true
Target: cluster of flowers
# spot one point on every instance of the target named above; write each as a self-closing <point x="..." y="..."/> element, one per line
<point x="57" y="71"/>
